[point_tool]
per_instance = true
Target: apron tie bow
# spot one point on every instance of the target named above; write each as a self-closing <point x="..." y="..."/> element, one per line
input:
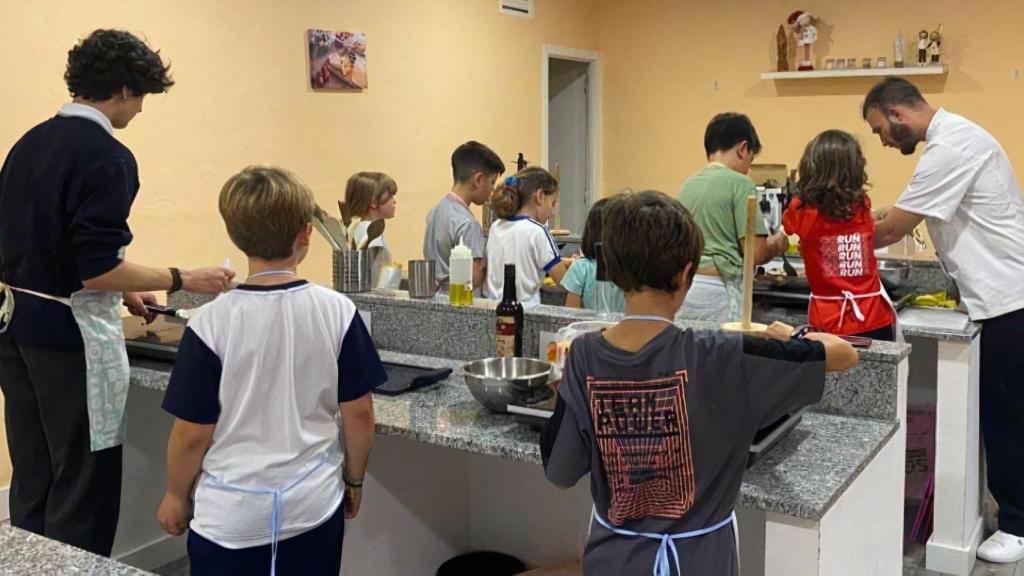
<point x="667" y="542"/>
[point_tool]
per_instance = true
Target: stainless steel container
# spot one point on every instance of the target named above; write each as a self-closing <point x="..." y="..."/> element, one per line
<point x="421" y="279"/>
<point x="497" y="382"/>
<point x="893" y="273"/>
<point x="352" y="271"/>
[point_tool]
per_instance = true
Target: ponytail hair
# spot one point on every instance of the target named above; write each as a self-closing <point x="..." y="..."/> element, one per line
<point x="510" y="196"/>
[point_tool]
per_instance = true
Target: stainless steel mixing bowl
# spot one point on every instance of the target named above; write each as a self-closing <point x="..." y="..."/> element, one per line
<point x="497" y="382"/>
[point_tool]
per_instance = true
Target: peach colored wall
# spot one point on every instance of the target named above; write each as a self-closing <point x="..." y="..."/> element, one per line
<point x="662" y="59"/>
<point x="440" y="73"/>
<point x="446" y="71"/>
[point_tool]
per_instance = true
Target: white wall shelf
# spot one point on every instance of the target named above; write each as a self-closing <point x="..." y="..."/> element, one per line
<point x="857" y="72"/>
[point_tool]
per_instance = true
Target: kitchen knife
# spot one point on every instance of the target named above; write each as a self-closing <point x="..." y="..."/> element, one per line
<point x="173" y="312"/>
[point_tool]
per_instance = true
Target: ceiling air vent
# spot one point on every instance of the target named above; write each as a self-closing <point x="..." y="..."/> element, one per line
<point x="520" y="8"/>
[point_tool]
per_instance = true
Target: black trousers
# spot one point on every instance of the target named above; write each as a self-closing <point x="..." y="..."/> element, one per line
<point x="1002" y="415"/>
<point x="59" y="489"/>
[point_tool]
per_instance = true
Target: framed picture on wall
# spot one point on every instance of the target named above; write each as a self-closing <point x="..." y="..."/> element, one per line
<point x="337" y="60"/>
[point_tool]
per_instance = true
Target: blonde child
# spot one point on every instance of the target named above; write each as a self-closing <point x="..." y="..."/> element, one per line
<point x="259" y="469"/>
<point x="371" y="196"/>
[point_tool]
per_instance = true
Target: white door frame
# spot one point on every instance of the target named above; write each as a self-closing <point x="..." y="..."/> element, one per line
<point x="593" y="110"/>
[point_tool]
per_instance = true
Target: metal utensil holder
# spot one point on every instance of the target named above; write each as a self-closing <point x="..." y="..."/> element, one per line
<point x="351" y="271"/>
<point x="421" y="279"/>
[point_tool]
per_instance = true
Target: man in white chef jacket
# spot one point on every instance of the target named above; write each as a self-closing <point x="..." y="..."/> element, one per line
<point x="965" y="191"/>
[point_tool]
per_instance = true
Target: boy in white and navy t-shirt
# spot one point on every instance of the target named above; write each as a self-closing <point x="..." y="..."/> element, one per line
<point x="263" y="374"/>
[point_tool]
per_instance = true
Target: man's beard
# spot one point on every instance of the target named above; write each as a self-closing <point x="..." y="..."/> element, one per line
<point x="904" y="138"/>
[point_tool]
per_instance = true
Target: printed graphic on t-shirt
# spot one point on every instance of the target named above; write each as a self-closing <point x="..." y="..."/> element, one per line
<point x="843" y="256"/>
<point x="643" y="435"/>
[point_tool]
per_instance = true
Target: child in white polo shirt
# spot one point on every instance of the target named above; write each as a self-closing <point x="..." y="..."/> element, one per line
<point x="258" y="456"/>
<point x="523" y="203"/>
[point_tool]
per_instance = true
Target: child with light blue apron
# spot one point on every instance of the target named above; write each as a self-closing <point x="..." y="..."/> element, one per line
<point x="271" y="394"/>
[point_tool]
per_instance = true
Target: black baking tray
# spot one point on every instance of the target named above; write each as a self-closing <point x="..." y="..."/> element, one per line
<point x="403" y="378"/>
<point x="156" y="341"/>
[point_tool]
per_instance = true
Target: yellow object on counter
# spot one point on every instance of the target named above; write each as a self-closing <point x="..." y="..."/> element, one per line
<point x="794" y="244"/>
<point x="460" y="294"/>
<point x="934" y="300"/>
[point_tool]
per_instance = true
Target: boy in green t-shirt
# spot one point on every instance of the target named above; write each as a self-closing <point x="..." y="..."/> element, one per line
<point x="716" y="196"/>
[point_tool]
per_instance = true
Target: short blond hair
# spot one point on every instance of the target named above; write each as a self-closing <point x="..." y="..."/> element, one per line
<point x="366" y="188"/>
<point x="265" y="209"/>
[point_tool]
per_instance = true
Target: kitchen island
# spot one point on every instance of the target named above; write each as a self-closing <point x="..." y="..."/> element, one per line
<point x="943" y="374"/>
<point x="447" y="476"/>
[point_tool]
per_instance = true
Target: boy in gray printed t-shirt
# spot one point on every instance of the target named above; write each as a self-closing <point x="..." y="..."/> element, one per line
<point x="661" y="417"/>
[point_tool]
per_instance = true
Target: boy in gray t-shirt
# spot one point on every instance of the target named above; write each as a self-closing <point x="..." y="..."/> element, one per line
<point x="475" y="168"/>
<point x="662" y="418"/>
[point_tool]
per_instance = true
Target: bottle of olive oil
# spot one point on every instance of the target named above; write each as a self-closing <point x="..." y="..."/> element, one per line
<point x="460" y="276"/>
<point x="510" y="318"/>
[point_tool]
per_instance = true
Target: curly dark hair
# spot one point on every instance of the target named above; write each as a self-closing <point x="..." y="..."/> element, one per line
<point x="648" y="239"/>
<point x="833" y="179"/>
<point x="108" y="61"/>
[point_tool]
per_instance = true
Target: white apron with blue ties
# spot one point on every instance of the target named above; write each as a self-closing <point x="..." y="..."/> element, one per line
<point x="107" y="374"/>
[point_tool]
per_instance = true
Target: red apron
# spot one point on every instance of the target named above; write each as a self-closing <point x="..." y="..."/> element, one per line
<point x="839" y="258"/>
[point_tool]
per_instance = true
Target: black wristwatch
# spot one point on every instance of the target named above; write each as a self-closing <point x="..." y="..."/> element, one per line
<point x="175" y="280"/>
<point x="803" y="330"/>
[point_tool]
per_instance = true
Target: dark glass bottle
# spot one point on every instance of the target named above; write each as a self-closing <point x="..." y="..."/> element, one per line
<point x="509" y="324"/>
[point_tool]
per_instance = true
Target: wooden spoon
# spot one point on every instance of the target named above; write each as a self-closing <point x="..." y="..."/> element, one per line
<point x="346" y="213"/>
<point x="351" y="229"/>
<point x="745" y="325"/>
<point x="373" y="231"/>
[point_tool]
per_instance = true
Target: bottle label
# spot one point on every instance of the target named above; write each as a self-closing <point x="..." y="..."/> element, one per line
<point x="506" y="337"/>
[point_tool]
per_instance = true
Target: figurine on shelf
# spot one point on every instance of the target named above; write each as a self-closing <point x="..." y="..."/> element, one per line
<point x="934" y="45"/>
<point x="922" y="48"/>
<point x="782" y="63"/>
<point x="806" y="35"/>
<point x="899" y="48"/>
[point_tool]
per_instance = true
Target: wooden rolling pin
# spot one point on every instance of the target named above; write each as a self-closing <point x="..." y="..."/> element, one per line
<point x="748" y="263"/>
<point x="745" y="325"/>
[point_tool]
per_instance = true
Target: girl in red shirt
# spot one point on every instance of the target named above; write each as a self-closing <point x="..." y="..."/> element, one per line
<point x="832" y="215"/>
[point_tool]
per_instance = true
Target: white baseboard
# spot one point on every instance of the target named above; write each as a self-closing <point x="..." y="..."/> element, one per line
<point x="5" y="508"/>
<point x="154" y="554"/>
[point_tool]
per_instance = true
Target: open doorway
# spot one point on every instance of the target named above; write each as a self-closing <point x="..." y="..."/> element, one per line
<point x="571" y="132"/>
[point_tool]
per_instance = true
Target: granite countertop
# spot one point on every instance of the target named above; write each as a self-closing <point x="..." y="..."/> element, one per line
<point x="439" y="302"/>
<point x="802" y="476"/>
<point x="879" y="351"/>
<point x="22" y="552"/>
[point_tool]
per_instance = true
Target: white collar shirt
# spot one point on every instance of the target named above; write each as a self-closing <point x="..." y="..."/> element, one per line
<point x="965" y="188"/>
